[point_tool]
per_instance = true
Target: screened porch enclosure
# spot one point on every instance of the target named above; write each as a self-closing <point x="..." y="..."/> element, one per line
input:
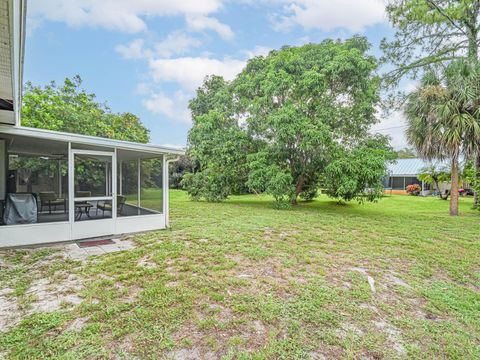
<point x="82" y="188"/>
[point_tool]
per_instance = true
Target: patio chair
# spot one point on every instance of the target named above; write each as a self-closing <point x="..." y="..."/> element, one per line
<point x="49" y="198"/>
<point x="107" y="206"/>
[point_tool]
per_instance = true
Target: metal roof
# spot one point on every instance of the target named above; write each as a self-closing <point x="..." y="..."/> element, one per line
<point x="26" y="132"/>
<point x="411" y="167"/>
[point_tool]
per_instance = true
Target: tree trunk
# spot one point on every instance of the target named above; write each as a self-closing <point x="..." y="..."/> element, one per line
<point x="298" y="189"/>
<point x="472" y="34"/>
<point x="437" y="186"/>
<point x="454" y="187"/>
<point x="477" y="176"/>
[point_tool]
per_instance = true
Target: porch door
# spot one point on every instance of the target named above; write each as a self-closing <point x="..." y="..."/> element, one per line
<point x="92" y="196"/>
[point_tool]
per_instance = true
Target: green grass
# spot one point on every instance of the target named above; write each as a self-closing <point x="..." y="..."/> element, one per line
<point x="241" y="280"/>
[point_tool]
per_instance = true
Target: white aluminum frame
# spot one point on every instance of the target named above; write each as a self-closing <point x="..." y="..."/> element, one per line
<point x="95" y="227"/>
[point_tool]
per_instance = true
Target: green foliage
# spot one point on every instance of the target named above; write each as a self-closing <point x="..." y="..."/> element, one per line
<point x="434" y="175"/>
<point x="430" y="33"/>
<point x="71" y="109"/>
<point x="275" y="127"/>
<point x="406" y="153"/>
<point x="214" y="94"/>
<point x="220" y="147"/>
<point x="178" y="169"/>
<point x="357" y="173"/>
<point x="216" y="143"/>
<point x="210" y="185"/>
<point x="271" y="179"/>
<point x="472" y="177"/>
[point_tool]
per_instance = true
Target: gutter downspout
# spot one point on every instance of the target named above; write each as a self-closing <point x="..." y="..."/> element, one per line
<point x="166" y="174"/>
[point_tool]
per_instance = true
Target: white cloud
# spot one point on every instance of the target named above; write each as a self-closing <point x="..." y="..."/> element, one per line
<point x="190" y="72"/>
<point x="175" y="108"/>
<point x="202" y="22"/>
<point x="122" y="15"/>
<point x="133" y="50"/>
<point x="329" y="15"/>
<point x="175" y="43"/>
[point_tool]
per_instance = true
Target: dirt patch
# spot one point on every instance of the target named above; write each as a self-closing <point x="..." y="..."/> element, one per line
<point x="276" y="234"/>
<point x="191" y="354"/>
<point x="393" y="279"/>
<point x="130" y="294"/>
<point x="146" y="262"/>
<point x="77" y="324"/>
<point x="327" y="352"/>
<point x="9" y="310"/>
<point x="44" y="295"/>
<point x="346" y="328"/>
<point x="50" y="296"/>
<point x="393" y="335"/>
<point x="370" y="279"/>
<point x="172" y="284"/>
<point x="269" y="275"/>
<point x="218" y="323"/>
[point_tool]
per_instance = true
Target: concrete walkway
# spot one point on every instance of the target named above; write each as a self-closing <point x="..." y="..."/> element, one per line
<point x="75" y="252"/>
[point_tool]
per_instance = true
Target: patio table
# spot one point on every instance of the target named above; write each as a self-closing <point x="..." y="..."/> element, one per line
<point x="82" y="208"/>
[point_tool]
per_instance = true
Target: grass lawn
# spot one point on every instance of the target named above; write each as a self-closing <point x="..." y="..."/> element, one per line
<point x="396" y="279"/>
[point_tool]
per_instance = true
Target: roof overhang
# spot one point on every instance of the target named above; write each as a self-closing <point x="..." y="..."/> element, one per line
<point x="12" y="45"/>
<point x="45" y="136"/>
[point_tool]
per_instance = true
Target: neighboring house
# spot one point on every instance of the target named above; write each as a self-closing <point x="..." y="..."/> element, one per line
<point x="405" y="172"/>
<point x="58" y="186"/>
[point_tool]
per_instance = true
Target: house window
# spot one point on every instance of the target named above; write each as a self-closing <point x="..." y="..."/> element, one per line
<point x="398" y="183"/>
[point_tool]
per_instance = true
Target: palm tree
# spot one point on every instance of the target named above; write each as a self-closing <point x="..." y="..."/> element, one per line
<point x="443" y="118"/>
<point x="434" y="175"/>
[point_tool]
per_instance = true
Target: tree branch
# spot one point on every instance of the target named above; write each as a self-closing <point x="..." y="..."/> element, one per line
<point x="450" y="20"/>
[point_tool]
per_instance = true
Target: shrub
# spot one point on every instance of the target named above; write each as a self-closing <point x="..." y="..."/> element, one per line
<point x="210" y="185"/>
<point x="413" y="189"/>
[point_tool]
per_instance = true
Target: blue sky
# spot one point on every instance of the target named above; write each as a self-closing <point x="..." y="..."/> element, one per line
<point x="148" y="56"/>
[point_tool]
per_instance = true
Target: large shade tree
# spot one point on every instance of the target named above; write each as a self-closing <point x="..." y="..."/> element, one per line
<point x="68" y="107"/>
<point x="432" y="33"/>
<point x="443" y="117"/>
<point x="300" y="103"/>
<point x="278" y="125"/>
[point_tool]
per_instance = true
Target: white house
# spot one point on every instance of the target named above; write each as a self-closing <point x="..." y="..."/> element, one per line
<point x="58" y="186"/>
